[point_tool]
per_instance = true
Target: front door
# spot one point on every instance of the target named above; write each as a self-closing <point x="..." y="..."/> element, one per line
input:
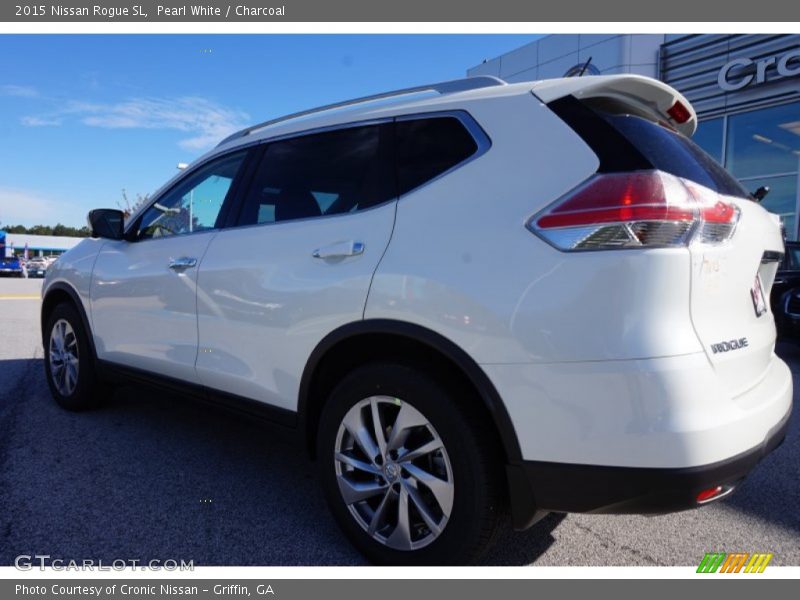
<point x="144" y="290"/>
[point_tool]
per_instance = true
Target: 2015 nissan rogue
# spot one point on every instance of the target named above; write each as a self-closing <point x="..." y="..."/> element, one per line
<point x="470" y="298"/>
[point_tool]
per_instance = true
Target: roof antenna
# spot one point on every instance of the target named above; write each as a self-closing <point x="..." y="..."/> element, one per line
<point x="585" y="66"/>
<point x="760" y="193"/>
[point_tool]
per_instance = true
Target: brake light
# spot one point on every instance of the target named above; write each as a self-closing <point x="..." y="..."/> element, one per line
<point x="679" y="112"/>
<point x="635" y="210"/>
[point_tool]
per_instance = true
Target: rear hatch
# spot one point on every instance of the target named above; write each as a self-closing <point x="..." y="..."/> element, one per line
<point x="730" y="279"/>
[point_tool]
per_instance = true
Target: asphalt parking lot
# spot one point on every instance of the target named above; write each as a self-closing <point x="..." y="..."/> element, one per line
<point x="151" y="476"/>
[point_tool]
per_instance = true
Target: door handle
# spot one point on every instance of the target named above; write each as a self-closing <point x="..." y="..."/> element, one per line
<point x="182" y="263"/>
<point x="339" y="250"/>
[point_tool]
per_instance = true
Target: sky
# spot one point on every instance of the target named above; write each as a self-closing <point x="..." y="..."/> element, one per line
<point x="83" y="117"/>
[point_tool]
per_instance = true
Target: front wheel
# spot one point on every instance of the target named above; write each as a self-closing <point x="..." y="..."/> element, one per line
<point x="69" y="363"/>
<point x="408" y="472"/>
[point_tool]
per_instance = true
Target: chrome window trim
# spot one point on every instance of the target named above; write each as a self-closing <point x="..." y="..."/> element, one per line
<point x="481" y="138"/>
<point x="323" y="129"/>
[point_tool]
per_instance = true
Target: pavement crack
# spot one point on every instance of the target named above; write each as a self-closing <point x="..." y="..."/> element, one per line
<point x="608" y="542"/>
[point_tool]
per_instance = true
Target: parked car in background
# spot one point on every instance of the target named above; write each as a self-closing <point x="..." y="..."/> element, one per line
<point x="10" y="267"/>
<point x="481" y="299"/>
<point x="785" y="297"/>
<point x="37" y="267"/>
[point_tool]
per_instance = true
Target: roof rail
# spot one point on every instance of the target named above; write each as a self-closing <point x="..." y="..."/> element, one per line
<point x="444" y="87"/>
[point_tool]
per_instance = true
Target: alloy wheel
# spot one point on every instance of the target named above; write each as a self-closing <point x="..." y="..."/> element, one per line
<point x="394" y="473"/>
<point x="64" y="359"/>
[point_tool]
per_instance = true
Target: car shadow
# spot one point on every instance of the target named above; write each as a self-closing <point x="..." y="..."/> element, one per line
<point x="520" y="548"/>
<point x="154" y="475"/>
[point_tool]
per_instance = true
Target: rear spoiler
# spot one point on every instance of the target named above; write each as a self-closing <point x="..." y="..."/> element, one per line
<point x="643" y="94"/>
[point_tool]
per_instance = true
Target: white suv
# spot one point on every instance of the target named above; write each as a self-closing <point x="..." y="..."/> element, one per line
<point x="469" y="298"/>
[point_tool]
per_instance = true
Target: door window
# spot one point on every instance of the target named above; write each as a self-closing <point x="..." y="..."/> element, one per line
<point x="320" y="174"/>
<point x="194" y="204"/>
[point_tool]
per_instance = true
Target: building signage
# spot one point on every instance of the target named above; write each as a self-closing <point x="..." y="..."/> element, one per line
<point x="739" y="73"/>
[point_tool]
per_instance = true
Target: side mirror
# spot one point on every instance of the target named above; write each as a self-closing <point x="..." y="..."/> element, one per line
<point x="106" y="223"/>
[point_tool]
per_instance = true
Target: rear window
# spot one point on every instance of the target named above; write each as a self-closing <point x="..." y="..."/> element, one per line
<point x="674" y="153"/>
<point x="626" y="142"/>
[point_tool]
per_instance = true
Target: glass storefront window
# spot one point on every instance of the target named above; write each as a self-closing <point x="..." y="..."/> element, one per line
<point x="764" y="142"/>
<point x="709" y="137"/>
<point x="781" y="200"/>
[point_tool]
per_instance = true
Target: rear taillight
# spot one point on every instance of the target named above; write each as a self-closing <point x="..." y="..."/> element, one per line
<point x="643" y="209"/>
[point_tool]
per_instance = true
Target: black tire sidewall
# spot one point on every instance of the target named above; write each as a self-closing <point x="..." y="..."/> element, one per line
<point x="83" y="396"/>
<point x="473" y="501"/>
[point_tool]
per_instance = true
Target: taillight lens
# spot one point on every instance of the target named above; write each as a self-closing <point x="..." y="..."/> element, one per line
<point x="636" y="210"/>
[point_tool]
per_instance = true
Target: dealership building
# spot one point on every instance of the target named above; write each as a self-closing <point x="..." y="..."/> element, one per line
<point x="745" y="89"/>
<point x="37" y="245"/>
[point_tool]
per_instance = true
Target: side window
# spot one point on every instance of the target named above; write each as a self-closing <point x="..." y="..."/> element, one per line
<point x="329" y="173"/>
<point x="194" y="203"/>
<point x="427" y="147"/>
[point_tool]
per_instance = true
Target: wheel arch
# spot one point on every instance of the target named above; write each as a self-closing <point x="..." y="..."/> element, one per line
<point x="352" y="344"/>
<point x="58" y="293"/>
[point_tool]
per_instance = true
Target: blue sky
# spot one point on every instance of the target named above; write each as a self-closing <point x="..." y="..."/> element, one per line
<point x="84" y="116"/>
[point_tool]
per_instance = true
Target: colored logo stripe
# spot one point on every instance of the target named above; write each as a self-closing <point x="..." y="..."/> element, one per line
<point x="711" y="562"/>
<point x="734" y="563"/>
<point x="758" y="563"/>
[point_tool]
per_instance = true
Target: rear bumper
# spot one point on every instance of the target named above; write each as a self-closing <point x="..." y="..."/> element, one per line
<point x="540" y="487"/>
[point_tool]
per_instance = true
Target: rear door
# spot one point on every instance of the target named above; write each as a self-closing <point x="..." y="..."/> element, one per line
<point x="312" y="228"/>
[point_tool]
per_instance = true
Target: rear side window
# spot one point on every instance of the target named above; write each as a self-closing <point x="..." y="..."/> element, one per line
<point x="328" y="173"/>
<point x="427" y="147"/>
<point x="625" y="142"/>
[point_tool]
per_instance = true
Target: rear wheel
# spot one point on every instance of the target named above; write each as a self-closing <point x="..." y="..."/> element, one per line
<point x="69" y="363"/>
<point x="407" y="471"/>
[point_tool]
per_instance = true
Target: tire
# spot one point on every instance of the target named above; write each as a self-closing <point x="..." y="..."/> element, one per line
<point x="70" y="368"/>
<point x="463" y="511"/>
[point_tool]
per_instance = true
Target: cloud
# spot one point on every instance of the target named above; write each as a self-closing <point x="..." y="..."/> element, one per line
<point x="20" y="91"/>
<point x="40" y="121"/>
<point x="27" y="207"/>
<point x="204" y="122"/>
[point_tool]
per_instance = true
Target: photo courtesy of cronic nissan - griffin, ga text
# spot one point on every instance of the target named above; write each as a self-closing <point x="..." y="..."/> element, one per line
<point x="471" y="300"/>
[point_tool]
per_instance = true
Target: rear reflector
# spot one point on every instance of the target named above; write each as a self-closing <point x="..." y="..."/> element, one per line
<point x="708" y="494"/>
<point x="715" y="493"/>
<point x="679" y="112"/>
<point x="635" y="210"/>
